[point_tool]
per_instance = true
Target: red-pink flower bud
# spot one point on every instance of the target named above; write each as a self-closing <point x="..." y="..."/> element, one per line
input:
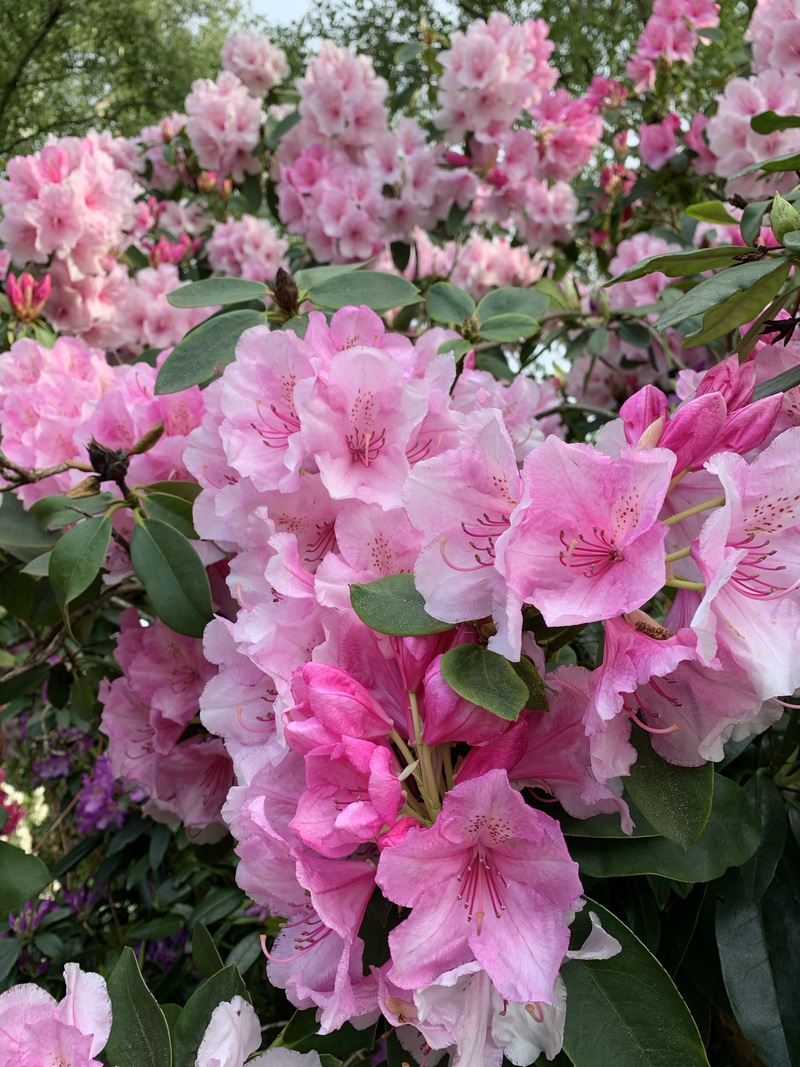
<point x="26" y="296"/>
<point x="733" y="380"/>
<point x="748" y="427"/>
<point x="641" y="410"/>
<point x="693" y="431"/>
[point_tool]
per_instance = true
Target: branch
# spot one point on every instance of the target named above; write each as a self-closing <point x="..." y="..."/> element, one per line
<point x="11" y="85"/>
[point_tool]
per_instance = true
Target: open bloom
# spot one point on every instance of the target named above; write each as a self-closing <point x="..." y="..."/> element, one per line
<point x="489" y="882"/>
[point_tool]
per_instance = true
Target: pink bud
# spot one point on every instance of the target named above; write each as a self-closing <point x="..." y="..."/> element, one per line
<point x="27" y="296"/>
<point x="733" y="380"/>
<point x="749" y="426"/>
<point x="693" y="431"/>
<point x="641" y="410"/>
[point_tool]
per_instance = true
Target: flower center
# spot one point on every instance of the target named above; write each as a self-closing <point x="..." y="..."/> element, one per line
<point x="275" y="432"/>
<point x="481" y="886"/>
<point x="589" y="556"/>
<point x="747" y="578"/>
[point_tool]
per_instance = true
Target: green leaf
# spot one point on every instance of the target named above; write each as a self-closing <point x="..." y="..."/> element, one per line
<point x="711" y="211"/>
<point x="392" y="605"/>
<point x="509" y="300"/>
<point x="740" y="308"/>
<point x="301" y="1034"/>
<point x="508" y="328"/>
<point x="769" y="121"/>
<point x="272" y="140"/>
<point x="408" y="52"/>
<point x="245" y="952"/>
<point x="10" y="950"/>
<point x="22" y="877"/>
<point x="790" y="161"/>
<point x="676" y="801"/>
<point x="459" y="348"/>
<point x="185" y="490"/>
<point x="216" y="291"/>
<point x="376" y="290"/>
<point x="217" y="904"/>
<point x="205" y="350"/>
<point x="758" y="872"/>
<point x="730" y="838"/>
<point x="20" y="533"/>
<point x="605" y="826"/>
<point x="173" y="510"/>
<point x="598" y="341"/>
<point x="716" y="290"/>
<point x="449" y="304"/>
<point x="781" y="383"/>
<point x="195" y="1017"/>
<point x="681" y="264"/>
<point x="39" y="567"/>
<point x="791" y="240"/>
<point x="758" y="945"/>
<point x="139" y="1033"/>
<point x="626" y="1010"/>
<point x="633" y="333"/>
<point x="486" y="679"/>
<point x="60" y="510"/>
<point x="173" y="576"/>
<point x="154" y="929"/>
<point x="537" y="694"/>
<point x="752" y="220"/>
<point x="311" y="276"/>
<point x="77" y="558"/>
<point x="204" y="950"/>
<point x="401" y="254"/>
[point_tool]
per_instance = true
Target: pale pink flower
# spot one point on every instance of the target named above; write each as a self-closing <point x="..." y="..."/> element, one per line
<point x="255" y="61"/>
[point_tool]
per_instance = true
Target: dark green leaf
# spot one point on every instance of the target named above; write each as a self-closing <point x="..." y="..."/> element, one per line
<point x="401" y="254"/>
<point x="598" y="341"/>
<point x="676" y="801"/>
<point x="781" y="383"/>
<point x="508" y="329"/>
<point x="681" y="264"/>
<point x="537" y="694"/>
<point x="626" y="1010"/>
<point x="22" y="877"/>
<point x="20" y="533"/>
<point x="10" y="949"/>
<point x="60" y="510"/>
<point x="195" y="1017"/>
<point x="311" y="276"/>
<point x="716" y="290"/>
<point x="778" y="164"/>
<point x="752" y="220"/>
<point x="154" y="929"/>
<point x="730" y="838"/>
<point x="758" y="944"/>
<point x="486" y="679"/>
<point x="173" y="576"/>
<point x="39" y="567"/>
<point x="632" y="333"/>
<point x="173" y="510"/>
<point x="711" y="211"/>
<point x="216" y="291"/>
<point x="26" y="682"/>
<point x="757" y="873"/>
<point x="740" y="308"/>
<point x="455" y="220"/>
<point x="245" y="952"/>
<point x="159" y="843"/>
<point x="84" y="848"/>
<point x="449" y="304"/>
<point x="139" y="1033"/>
<point x="606" y="826"/>
<point x="509" y="300"/>
<point x="376" y="290"/>
<point x="77" y="558"/>
<point x="217" y="904"/>
<point x="204" y="950"/>
<point x="205" y="350"/>
<point x="407" y="52"/>
<point x="769" y="121"/>
<point x="273" y="138"/>
<point x="185" y="490"/>
<point x="393" y="606"/>
<point x="301" y="1034"/>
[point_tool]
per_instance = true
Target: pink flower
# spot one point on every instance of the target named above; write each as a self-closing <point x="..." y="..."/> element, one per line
<point x="224" y="125"/>
<point x="489" y="882"/>
<point x="255" y="61"/>
<point x="586" y="543"/>
<point x="658" y="142"/>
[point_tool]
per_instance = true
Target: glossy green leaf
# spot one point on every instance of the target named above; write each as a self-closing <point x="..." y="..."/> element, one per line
<point x="213" y="292"/>
<point x="713" y="211"/>
<point x="676" y="801"/>
<point x="39" y="567"/>
<point x="606" y="826"/>
<point x="509" y="300"/>
<point x="205" y="350"/>
<point x="185" y="490"/>
<point x="781" y="383"/>
<point x="508" y="328"/>
<point x="392" y="605"/>
<point x="10" y="950"/>
<point x="759" y="944"/>
<point x="376" y="290"/>
<point x="752" y="220"/>
<point x="486" y="679"/>
<point x="626" y="1010"/>
<point x="204" y="951"/>
<point x="682" y="264"/>
<point x="139" y="1033"/>
<point x="195" y="1017"/>
<point x="20" y="533"/>
<point x="459" y="348"/>
<point x="758" y="872"/>
<point x="449" y="304"/>
<point x="716" y="290"/>
<point x="311" y="276"/>
<point x="59" y="510"/>
<point x="22" y="877"/>
<point x="730" y="838"/>
<point x="77" y="558"/>
<point x="173" y="576"/>
<point x="154" y="929"/>
<point x="740" y="308"/>
<point x="301" y="1033"/>
<point x="778" y="164"/>
<point x="173" y="510"/>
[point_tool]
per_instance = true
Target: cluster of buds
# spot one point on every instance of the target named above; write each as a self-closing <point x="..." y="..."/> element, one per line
<point x="26" y="296"/>
<point x="165" y="251"/>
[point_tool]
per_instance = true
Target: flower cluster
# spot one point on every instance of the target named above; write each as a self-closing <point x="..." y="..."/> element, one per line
<point x="247" y="248"/>
<point x="670" y="36"/>
<point x="147" y="716"/>
<point x="223" y="122"/>
<point x="256" y="62"/>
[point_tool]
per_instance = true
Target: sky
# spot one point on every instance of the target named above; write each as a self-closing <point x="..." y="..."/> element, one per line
<point x="280" y="10"/>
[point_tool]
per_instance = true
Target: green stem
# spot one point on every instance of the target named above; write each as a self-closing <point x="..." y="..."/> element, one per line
<point x="707" y="505"/>
<point x="684" y="583"/>
<point x="681" y="553"/>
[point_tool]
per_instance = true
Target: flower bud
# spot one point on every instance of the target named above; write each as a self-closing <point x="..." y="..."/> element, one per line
<point x="783" y="218"/>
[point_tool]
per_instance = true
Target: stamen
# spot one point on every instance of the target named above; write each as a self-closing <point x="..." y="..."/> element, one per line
<point x="650" y="729"/>
<point x="454" y="566"/>
<point x="365" y="446"/>
<point x="536" y="1012"/>
<point x="589" y="557"/>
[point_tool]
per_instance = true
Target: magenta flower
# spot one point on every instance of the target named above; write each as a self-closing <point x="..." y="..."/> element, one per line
<point x="586" y="543"/>
<point x="490" y="882"/>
